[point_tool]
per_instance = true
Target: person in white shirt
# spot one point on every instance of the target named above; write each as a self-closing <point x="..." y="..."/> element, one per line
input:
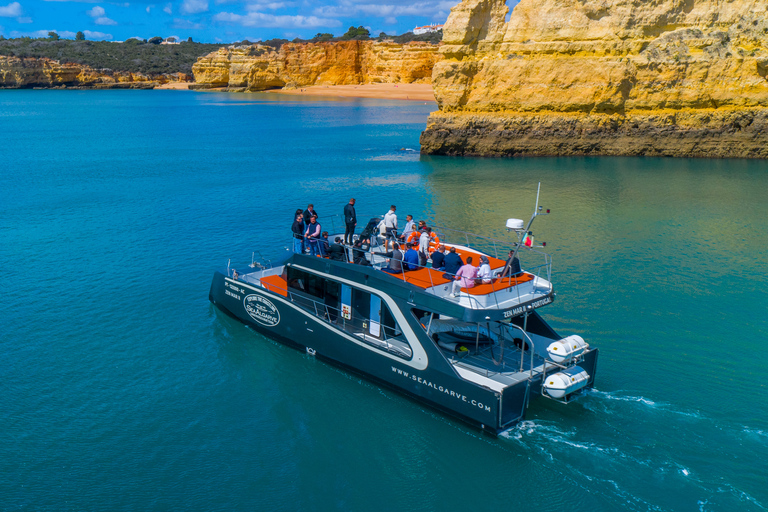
<point x="409" y="228"/>
<point x="484" y="273"/>
<point x="390" y="223"/>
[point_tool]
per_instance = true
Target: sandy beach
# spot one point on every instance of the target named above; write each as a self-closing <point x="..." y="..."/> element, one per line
<point x="417" y="92"/>
<point x="176" y="86"/>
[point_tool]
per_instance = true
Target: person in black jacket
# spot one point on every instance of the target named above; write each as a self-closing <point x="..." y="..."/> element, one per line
<point x="438" y="258"/>
<point x="512" y="267"/>
<point x="309" y="212"/>
<point x="337" y="252"/>
<point x="453" y="263"/>
<point x="298" y="234"/>
<point x="350" y="220"/>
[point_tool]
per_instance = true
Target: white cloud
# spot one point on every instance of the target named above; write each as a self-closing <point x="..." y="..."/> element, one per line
<point x="149" y="7"/>
<point x="258" y="19"/>
<point x="346" y="9"/>
<point x="271" y="6"/>
<point x="24" y="19"/>
<point x="194" y="6"/>
<point x="43" y="33"/>
<point x="96" y="35"/>
<point x="12" y="10"/>
<point x="168" y="9"/>
<point x="98" y="15"/>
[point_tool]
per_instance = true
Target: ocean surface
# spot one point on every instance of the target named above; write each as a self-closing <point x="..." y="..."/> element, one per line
<point x="123" y="389"/>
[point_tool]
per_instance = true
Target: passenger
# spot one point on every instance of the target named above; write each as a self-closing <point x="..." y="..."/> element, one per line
<point x="484" y="273"/>
<point x="350" y="221"/>
<point x="359" y="254"/>
<point x="465" y="277"/>
<point x="424" y="246"/>
<point x="410" y="227"/>
<point x="438" y="258"/>
<point x="309" y="212"/>
<point x="452" y="263"/>
<point x="337" y="252"/>
<point x="304" y="249"/>
<point x="324" y="244"/>
<point x="395" y="260"/>
<point x="512" y="266"/>
<point x="298" y="234"/>
<point x="411" y="258"/>
<point x="390" y="224"/>
<point x="312" y="235"/>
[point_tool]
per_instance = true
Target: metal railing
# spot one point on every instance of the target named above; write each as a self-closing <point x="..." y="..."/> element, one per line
<point x="332" y="315"/>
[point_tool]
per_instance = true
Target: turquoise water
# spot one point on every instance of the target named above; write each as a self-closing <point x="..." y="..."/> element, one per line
<point x="124" y="389"/>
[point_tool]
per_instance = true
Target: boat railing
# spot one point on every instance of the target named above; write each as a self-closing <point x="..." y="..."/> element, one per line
<point x="351" y="323"/>
<point x="497" y="284"/>
<point x="492" y="246"/>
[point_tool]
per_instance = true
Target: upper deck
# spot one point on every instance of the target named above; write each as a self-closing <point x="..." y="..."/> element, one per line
<point x="501" y="298"/>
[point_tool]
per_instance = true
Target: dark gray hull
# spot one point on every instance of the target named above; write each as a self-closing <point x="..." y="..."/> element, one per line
<point x="427" y="377"/>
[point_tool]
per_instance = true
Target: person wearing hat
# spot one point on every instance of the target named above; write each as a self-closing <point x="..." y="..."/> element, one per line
<point x="411" y="258"/>
<point x="484" y="273"/>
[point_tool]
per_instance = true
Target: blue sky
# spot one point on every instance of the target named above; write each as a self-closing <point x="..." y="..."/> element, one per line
<point x="215" y="20"/>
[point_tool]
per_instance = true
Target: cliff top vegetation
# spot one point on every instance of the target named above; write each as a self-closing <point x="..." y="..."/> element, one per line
<point x="150" y="57"/>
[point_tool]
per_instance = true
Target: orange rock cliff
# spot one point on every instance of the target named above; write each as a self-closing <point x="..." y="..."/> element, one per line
<point x="257" y="68"/>
<point x="18" y="73"/>
<point x="608" y="77"/>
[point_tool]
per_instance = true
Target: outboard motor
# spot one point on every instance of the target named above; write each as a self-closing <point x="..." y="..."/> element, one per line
<point x="566" y="382"/>
<point x="564" y="350"/>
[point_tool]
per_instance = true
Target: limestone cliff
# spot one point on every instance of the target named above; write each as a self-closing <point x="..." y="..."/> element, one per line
<point x="620" y="77"/>
<point x="256" y="68"/>
<point x="16" y="73"/>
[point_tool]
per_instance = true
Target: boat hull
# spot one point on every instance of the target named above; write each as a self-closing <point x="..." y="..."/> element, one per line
<point x="430" y="378"/>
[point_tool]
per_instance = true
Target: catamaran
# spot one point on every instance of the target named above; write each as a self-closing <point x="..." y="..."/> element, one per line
<point x="481" y="355"/>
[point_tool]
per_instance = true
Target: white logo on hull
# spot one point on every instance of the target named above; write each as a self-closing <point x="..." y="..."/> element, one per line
<point x="262" y="310"/>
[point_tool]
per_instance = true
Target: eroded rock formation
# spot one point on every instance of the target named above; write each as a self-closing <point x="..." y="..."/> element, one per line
<point x="256" y="68"/>
<point x="17" y="73"/>
<point x="620" y="77"/>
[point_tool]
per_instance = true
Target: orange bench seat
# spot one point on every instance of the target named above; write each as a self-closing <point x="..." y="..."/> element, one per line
<point x="275" y="284"/>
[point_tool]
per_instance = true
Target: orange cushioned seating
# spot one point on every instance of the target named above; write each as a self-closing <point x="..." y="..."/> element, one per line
<point x="498" y="284"/>
<point x="424" y="277"/>
<point x="275" y="284"/>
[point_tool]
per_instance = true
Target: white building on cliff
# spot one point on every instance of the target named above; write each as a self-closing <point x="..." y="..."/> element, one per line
<point x="426" y="29"/>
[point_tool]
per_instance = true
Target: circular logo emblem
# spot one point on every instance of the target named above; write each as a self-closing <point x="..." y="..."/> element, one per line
<point x="262" y="310"/>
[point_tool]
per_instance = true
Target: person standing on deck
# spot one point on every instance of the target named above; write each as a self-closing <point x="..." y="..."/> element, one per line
<point x="350" y="220"/>
<point x="390" y="224"/>
<point x="313" y="236"/>
<point x="298" y="234"/>
<point x="465" y="277"/>
<point x="309" y="212"/>
<point x="424" y="247"/>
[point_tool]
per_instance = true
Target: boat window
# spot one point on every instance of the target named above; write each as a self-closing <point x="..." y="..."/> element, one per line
<point x="357" y="312"/>
<point x="306" y="282"/>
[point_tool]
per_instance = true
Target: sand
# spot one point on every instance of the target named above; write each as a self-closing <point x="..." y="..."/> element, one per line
<point x="416" y="92"/>
<point x="176" y="86"/>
